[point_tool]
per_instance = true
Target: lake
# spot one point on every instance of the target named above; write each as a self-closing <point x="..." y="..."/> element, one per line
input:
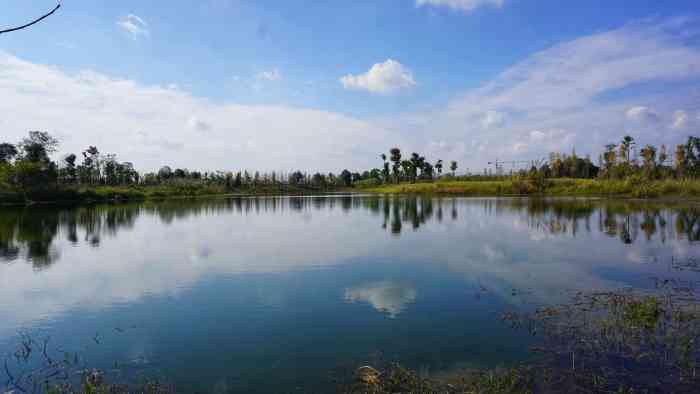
<point x="284" y="294"/>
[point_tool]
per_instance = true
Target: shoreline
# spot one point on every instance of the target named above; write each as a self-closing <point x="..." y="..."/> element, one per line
<point x="391" y="190"/>
<point x="626" y="189"/>
<point x="93" y="196"/>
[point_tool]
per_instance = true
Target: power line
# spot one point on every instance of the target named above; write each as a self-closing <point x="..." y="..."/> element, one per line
<point x="32" y="22"/>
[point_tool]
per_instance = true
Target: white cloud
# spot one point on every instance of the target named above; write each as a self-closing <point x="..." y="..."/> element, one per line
<point x="537" y="135"/>
<point x="388" y="297"/>
<point x="460" y="5"/>
<point x="569" y="95"/>
<point x="492" y="119"/>
<point x="134" y="25"/>
<point x="641" y="114"/>
<point x="90" y="108"/>
<point x="197" y="124"/>
<point x="140" y="263"/>
<point x="382" y="78"/>
<point x="556" y="99"/>
<point x="519" y="147"/>
<point x="272" y="75"/>
<point x="680" y="119"/>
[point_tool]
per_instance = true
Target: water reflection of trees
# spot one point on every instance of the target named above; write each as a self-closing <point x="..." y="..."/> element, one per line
<point x="29" y="233"/>
<point x="412" y="211"/>
<point x="625" y="220"/>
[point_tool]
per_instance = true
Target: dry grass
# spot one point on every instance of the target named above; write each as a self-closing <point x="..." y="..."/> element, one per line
<point x="633" y="188"/>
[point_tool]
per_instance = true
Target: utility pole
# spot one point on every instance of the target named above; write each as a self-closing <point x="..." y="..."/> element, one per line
<point x="498" y="165"/>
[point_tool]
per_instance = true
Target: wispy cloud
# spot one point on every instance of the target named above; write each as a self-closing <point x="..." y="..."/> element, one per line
<point x="207" y="134"/>
<point x="584" y="93"/>
<point x="271" y="75"/>
<point x="382" y="78"/>
<point x="567" y="96"/>
<point x="134" y="26"/>
<point x="680" y="119"/>
<point x="460" y="5"/>
<point x="197" y="124"/>
<point x="641" y="114"/>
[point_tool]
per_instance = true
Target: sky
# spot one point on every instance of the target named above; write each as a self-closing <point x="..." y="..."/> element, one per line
<point x="328" y="85"/>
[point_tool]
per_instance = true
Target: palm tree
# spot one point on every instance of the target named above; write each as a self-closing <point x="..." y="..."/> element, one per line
<point x="415" y="163"/>
<point x="396" y="159"/>
<point x="385" y="168"/>
<point x="625" y="148"/>
<point x="453" y="167"/>
<point x="681" y="160"/>
<point x="407" y="167"/>
<point x="649" y="157"/>
<point x="610" y="157"/>
<point x="438" y="167"/>
<point x="421" y="166"/>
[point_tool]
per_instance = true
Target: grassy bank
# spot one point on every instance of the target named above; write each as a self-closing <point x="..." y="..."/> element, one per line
<point x="141" y="193"/>
<point x="633" y="187"/>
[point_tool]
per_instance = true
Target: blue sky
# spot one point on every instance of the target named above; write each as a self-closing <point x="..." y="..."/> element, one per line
<point x="347" y="80"/>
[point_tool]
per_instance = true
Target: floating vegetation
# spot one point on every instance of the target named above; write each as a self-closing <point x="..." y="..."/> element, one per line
<point x="396" y="379"/>
<point x="627" y="341"/>
<point x="613" y="342"/>
<point x="687" y="264"/>
<point x="37" y="367"/>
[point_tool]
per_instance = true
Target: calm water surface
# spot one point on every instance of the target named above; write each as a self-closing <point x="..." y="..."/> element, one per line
<point x="275" y="294"/>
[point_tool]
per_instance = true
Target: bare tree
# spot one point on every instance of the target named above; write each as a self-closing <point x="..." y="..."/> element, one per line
<point x="32" y="22"/>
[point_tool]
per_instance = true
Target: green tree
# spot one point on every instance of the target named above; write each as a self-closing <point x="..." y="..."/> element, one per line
<point x="385" y="168"/>
<point x="38" y="146"/>
<point x="89" y="170"/>
<point x="692" y="156"/>
<point x="649" y="160"/>
<point x="109" y="166"/>
<point x="7" y="152"/>
<point x="407" y="169"/>
<point x="346" y="177"/>
<point x="67" y="172"/>
<point x="625" y="148"/>
<point x="34" y="169"/>
<point x="395" y="157"/>
<point x="557" y="164"/>
<point x="415" y="165"/>
<point x="427" y="171"/>
<point x="29" y="176"/>
<point x="453" y="167"/>
<point x="165" y="173"/>
<point x="609" y="158"/>
<point x="420" y="166"/>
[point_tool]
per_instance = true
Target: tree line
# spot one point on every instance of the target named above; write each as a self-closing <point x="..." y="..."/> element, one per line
<point x="413" y="168"/>
<point x="621" y="161"/>
<point x="27" y="166"/>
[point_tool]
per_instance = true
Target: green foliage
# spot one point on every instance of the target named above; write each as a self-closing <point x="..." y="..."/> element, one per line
<point x="27" y="170"/>
<point x="643" y="313"/>
<point x="368" y="183"/>
<point x="634" y="187"/>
